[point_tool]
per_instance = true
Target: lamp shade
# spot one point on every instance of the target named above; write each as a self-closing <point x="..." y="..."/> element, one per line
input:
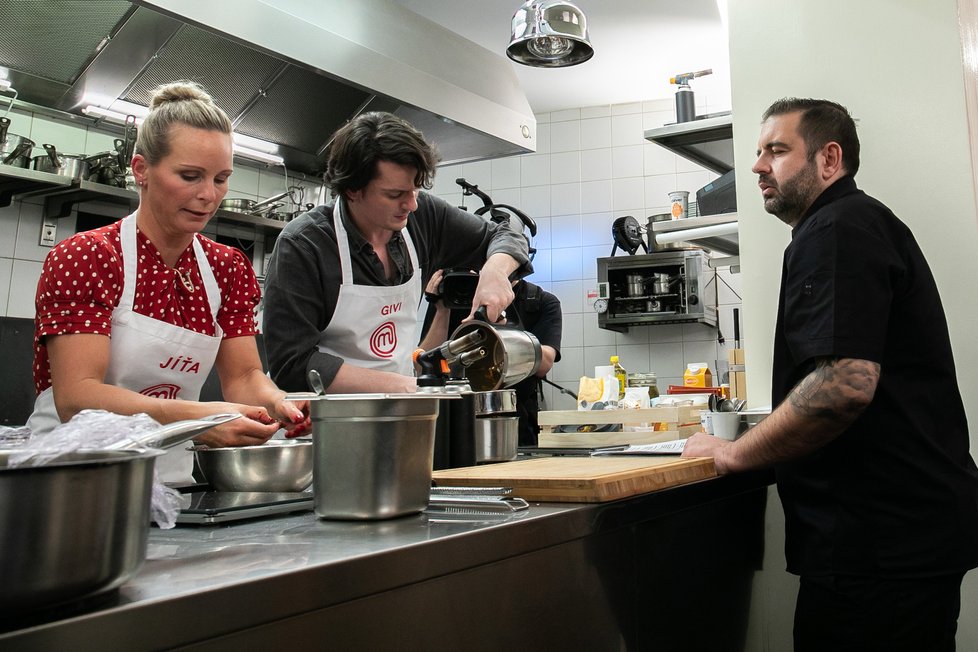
<point x="549" y="34"/>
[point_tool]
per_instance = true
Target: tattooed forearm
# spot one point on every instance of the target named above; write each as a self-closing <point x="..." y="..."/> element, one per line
<point x="817" y="410"/>
<point x="837" y="391"/>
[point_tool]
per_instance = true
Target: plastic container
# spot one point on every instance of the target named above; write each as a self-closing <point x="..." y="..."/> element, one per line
<point x="621" y="375"/>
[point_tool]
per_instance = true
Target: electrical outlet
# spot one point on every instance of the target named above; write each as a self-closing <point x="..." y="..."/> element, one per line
<point x="49" y="232"/>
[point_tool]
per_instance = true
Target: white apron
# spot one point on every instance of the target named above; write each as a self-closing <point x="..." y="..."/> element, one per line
<point x="150" y="356"/>
<point x="373" y="326"/>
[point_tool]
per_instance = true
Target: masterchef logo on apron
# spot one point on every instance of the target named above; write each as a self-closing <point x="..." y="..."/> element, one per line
<point x="383" y="341"/>
<point x="163" y="390"/>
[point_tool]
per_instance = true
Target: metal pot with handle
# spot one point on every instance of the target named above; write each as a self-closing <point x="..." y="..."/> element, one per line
<point x="78" y="525"/>
<point x="14" y="150"/>
<point x="497" y="355"/>
<point x="252" y="207"/>
<point x="74" y="166"/>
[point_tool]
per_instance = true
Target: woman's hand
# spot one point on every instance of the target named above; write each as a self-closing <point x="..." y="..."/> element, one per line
<point x="255" y="427"/>
<point x="293" y="416"/>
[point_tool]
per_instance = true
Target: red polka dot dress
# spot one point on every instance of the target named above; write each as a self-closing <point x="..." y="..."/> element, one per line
<point x="81" y="284"/>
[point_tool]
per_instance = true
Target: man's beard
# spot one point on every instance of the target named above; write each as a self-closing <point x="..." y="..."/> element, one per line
<point x="794" y="195"/>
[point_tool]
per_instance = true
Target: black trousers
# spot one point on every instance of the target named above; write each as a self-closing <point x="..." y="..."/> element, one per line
<point x="842" y="613"/>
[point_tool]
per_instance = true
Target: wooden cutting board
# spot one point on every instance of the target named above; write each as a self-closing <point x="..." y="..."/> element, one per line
<point x="581" y="479"/>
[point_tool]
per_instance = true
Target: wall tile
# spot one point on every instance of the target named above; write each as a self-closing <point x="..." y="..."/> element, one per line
<point x="572" y="330"/>
<point x="666" y="360"/>
<point x="243" y="180"/>
<point x="506" y="172"/>
<point x="596" y="164"/>
<point x="535" y="170"/>
<point x="589" y="259"/>
<point x="9" y="216"/>
<point x="569" y="370"/>
<point x="596" y="228"/>
<point x="627" y="109"/>
<point x="571" y="295"/>
<point x="26" y="246"/>
<point x="565" y="167"/>
<point x="699" y="333"/>
<point x="565" y="136"/>
<point x="542" y="269"/>
<point x="628" y="161"/>
<point x="601" y="111"/>
<point x="565" y="265"/>
<point x="542" y="118"/>
<point x="596" y="196"/>
<point x="543" y="238"/>
<point x="544" y="139"/>
<point x="65" y="136"/>
<point x="657" y="189"/>
<point x="23" y="286"/>
<point x="656" y="119"/>
<point x="629" y="194"/>
<point x="6" y="269"/>
<point x="700" y="352"/>
<point x="97" y="142"/>
<point x="595" y="336"/>
<point x="636" y="335"/>
<point x="535" y="201"/>
<point x="565" y="231"/>
<point x="565" y="115"/>
<point x="666" y="333"/>
<point x="634" y="357"/>
<point x="658" y="159"/>
<point x="597" y="356"/>
<point x="692" y="181"/>
<point x="565" y="198"/>
<point x="595" y="133"/>
<point x="627" y="130"/>
<point x="479" y="173"/>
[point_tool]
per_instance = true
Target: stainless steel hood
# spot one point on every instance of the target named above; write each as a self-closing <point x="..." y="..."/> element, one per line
<point x="287" y="71"/>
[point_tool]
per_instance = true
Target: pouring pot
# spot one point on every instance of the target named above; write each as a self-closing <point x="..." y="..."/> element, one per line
<point x="74" y="166"/>
<point x="78" y="526"/>
<point x="499" y="355"/>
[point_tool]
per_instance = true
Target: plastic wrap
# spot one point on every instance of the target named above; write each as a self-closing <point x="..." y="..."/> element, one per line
<point x="93" y="430"/>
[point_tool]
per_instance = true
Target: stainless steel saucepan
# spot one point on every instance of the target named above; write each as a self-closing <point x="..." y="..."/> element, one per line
<point x="74" y="166"/>
<point x="14" y="150"/>
<point x="78" y="525"/>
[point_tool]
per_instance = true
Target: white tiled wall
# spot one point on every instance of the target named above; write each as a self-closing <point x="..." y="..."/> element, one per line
<point x="593" y="165"/>
<point x="20" y="223"/>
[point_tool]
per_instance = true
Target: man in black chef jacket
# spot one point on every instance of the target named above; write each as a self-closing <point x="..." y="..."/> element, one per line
<point x="868" y="438"/>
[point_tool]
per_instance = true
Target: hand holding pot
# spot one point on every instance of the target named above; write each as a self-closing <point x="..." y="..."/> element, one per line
<point x="494" y="291"/>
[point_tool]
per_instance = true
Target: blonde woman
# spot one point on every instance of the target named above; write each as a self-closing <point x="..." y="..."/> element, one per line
<point x="131" y="317"/>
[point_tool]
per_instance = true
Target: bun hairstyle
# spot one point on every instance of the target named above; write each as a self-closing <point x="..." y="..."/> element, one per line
<point x="177" y="103"/>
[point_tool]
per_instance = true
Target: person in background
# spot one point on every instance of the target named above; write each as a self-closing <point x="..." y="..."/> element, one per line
<point x="344" y="282"/>
<point x="534" y="310"/>
<point x="132" y="316"/>
<point x="868" y="438"/>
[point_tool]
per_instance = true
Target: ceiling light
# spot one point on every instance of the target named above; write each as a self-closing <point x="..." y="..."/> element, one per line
<point x="549" y="34"/>
<point x="108" y="114"/>
<point x="264" y="157"/>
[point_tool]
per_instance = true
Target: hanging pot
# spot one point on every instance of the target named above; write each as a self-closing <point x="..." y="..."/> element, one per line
<point x="14" y="150"/>
<point x="74" y="166"/>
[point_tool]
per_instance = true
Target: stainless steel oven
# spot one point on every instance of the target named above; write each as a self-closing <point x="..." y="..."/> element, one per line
<point x="657" y="288"/>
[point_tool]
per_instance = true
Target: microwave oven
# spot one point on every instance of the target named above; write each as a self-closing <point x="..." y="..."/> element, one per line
<point x="658" y="288"/>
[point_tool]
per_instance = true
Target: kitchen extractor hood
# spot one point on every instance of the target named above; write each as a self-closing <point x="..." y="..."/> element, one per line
<point x="707" y="141"/>
<point x="287" y="71"/>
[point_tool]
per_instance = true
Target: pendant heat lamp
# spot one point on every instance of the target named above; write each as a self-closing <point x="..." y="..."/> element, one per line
<point x="549" y="34"/>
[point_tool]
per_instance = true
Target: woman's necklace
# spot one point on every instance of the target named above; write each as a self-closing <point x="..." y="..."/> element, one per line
<point x="185" y="279"/>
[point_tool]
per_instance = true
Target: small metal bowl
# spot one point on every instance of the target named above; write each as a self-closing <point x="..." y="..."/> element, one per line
<point x="276" y="465"/>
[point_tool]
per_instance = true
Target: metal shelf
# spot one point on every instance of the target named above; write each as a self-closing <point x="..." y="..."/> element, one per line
<point x="61" y="193"/>
<point x="718" y="233"/>
<point x="20" y="181"/>
<point x="707" y="141"/>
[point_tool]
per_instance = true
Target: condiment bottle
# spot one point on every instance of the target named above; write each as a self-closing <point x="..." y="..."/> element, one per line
<point x="621" y="375"/>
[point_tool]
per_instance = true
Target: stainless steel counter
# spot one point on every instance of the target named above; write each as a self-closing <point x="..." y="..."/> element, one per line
<point x="234" y="586"/>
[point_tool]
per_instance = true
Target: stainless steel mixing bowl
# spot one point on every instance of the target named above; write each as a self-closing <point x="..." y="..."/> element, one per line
<point x="276" y="465"/>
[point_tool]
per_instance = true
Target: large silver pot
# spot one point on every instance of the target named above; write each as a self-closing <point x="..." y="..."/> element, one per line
<point x="497" y="426"/>
<point x="499" y="356"/>
<point x="74" y="166"/>
<point x="373" y="454"/>
<point x="78" y="526"/>
<point x="14" y="150"/>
